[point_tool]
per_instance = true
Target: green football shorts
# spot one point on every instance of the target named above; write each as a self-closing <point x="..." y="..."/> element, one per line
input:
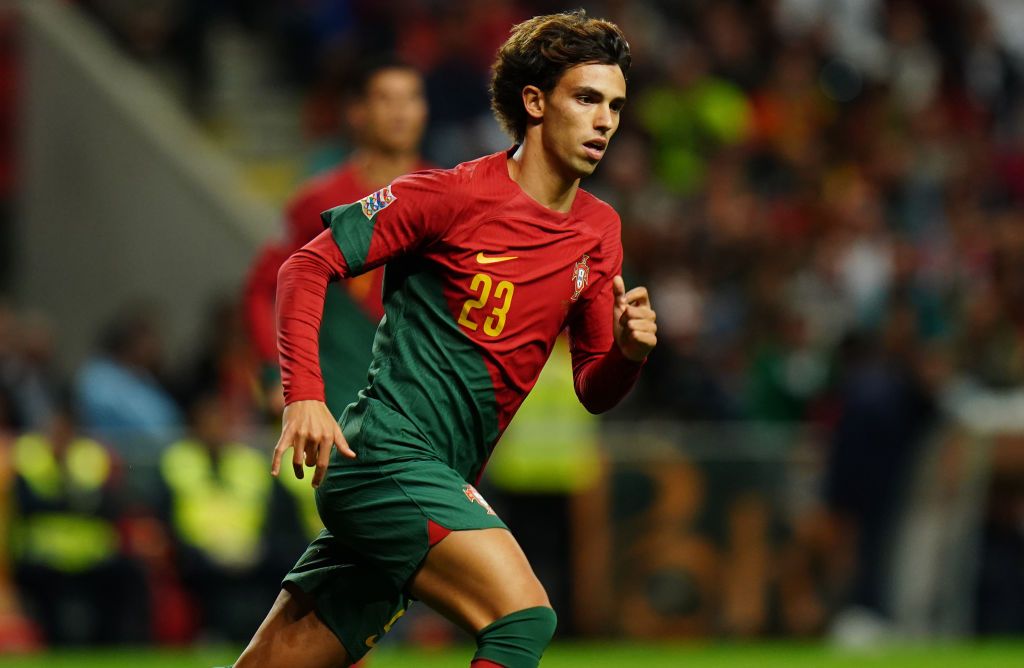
<point x="380" y="519"/>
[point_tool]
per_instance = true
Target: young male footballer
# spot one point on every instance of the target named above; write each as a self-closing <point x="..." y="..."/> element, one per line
<point x="487" y="263"/>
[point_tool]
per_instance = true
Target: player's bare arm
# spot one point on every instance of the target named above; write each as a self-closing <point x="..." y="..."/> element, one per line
<point x="309" y="429"/>
<point x="634" y="321"/>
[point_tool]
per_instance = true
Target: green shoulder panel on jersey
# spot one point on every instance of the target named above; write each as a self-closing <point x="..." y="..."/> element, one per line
<point x="352" y="231"/>
<point x="431" y="393"/>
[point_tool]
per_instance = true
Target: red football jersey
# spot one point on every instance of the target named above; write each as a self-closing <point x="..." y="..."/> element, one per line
<point x="481" y="279"/>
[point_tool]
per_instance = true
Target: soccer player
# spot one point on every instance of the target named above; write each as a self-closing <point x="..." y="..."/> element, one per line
<point x="387" y="114"/>
<point x="487" y="263"/>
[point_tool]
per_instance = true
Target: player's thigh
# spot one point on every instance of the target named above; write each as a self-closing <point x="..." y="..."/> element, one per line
<point x="477" y="577"/>
<point x="354" y="600"/>
<point x="293" y="635"/>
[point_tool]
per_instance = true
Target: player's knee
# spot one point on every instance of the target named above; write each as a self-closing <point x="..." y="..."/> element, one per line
<point x="517" y="640"/>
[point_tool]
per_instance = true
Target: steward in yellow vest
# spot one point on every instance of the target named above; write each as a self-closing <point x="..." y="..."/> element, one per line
<point x="61" y="490"/>
<point x="65" y="543"/>
<point x="217" y="498"/>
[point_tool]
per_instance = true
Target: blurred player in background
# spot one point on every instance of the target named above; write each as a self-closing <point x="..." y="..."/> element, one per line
<point x="387" y="113"/>
<point x="487" y="264"/>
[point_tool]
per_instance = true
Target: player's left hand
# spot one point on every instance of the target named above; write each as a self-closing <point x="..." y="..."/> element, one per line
<point x="634" y="321"/>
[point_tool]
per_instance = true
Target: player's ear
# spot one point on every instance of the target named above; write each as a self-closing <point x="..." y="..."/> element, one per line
<point x="533" y="100"/>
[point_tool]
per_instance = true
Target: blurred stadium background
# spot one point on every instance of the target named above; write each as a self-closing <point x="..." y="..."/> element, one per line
<point x="823" y="463"/>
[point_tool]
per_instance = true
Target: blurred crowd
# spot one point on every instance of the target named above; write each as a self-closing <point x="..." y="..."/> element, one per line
<point x="805" y="184"/>
<point x="823" y="196"/>
<point x="135" y="500"/>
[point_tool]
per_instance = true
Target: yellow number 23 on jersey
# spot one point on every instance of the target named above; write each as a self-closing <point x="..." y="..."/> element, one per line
<point x="495" y="322"/>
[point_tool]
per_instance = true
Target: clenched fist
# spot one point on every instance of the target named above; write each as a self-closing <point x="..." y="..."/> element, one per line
<point x="633" y="321"/>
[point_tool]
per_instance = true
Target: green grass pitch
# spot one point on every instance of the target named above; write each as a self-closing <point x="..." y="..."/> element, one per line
<point x="1002" y="654"/>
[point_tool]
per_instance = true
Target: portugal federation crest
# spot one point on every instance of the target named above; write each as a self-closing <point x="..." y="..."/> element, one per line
<point x="580" y="277"/>
<point x="378" y="201"/>
<point x="476" y="497"/>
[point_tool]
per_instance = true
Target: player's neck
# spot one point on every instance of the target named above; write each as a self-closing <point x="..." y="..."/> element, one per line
<point x="532" y="168"/>
<point x="379" y="168"/>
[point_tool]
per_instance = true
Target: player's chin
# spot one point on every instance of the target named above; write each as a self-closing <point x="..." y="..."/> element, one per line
<point x="586" y="165"/>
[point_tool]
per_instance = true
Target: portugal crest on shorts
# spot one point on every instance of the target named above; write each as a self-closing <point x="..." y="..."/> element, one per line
<point x="477" y="497"/>
<point x="580" y="277"/>
<point x="377" y="202"/>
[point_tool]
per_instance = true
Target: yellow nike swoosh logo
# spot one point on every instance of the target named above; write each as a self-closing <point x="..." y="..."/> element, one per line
<point x="483" y="259"/>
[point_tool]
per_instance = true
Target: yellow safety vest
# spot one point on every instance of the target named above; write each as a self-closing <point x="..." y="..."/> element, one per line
<point x="69" y="541"/>
<point x="219" y="512"/>
<point x="551" y="445"/>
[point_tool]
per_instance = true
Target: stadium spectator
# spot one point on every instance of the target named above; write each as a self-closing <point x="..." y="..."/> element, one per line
<point x="27" y="372"/>
<point x="35" y="375"/>
<point x="216" y="497"/>
<point x="65" y="542"/>
<point x="119" y="393"/>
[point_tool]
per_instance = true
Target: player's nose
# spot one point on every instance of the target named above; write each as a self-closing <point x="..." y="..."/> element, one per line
<point x="603" y="118"/>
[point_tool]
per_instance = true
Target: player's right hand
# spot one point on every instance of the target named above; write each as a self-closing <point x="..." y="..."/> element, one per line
<point x="309" y="429"/>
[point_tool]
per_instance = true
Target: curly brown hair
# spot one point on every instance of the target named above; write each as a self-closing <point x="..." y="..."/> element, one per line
<point x="540" y="50"/>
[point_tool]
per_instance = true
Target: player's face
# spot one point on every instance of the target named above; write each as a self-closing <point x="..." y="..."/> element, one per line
<point x="581" y="114"/>
<point x="393" y="112"/>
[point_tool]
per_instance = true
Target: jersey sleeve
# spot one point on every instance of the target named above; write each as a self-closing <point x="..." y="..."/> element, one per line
<point x="408" y="215"/>
<point x="301" y="225"/>
<point x="301" y="289"/>
<point x="602" y="375"/>
<point x="411" y="213"/>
